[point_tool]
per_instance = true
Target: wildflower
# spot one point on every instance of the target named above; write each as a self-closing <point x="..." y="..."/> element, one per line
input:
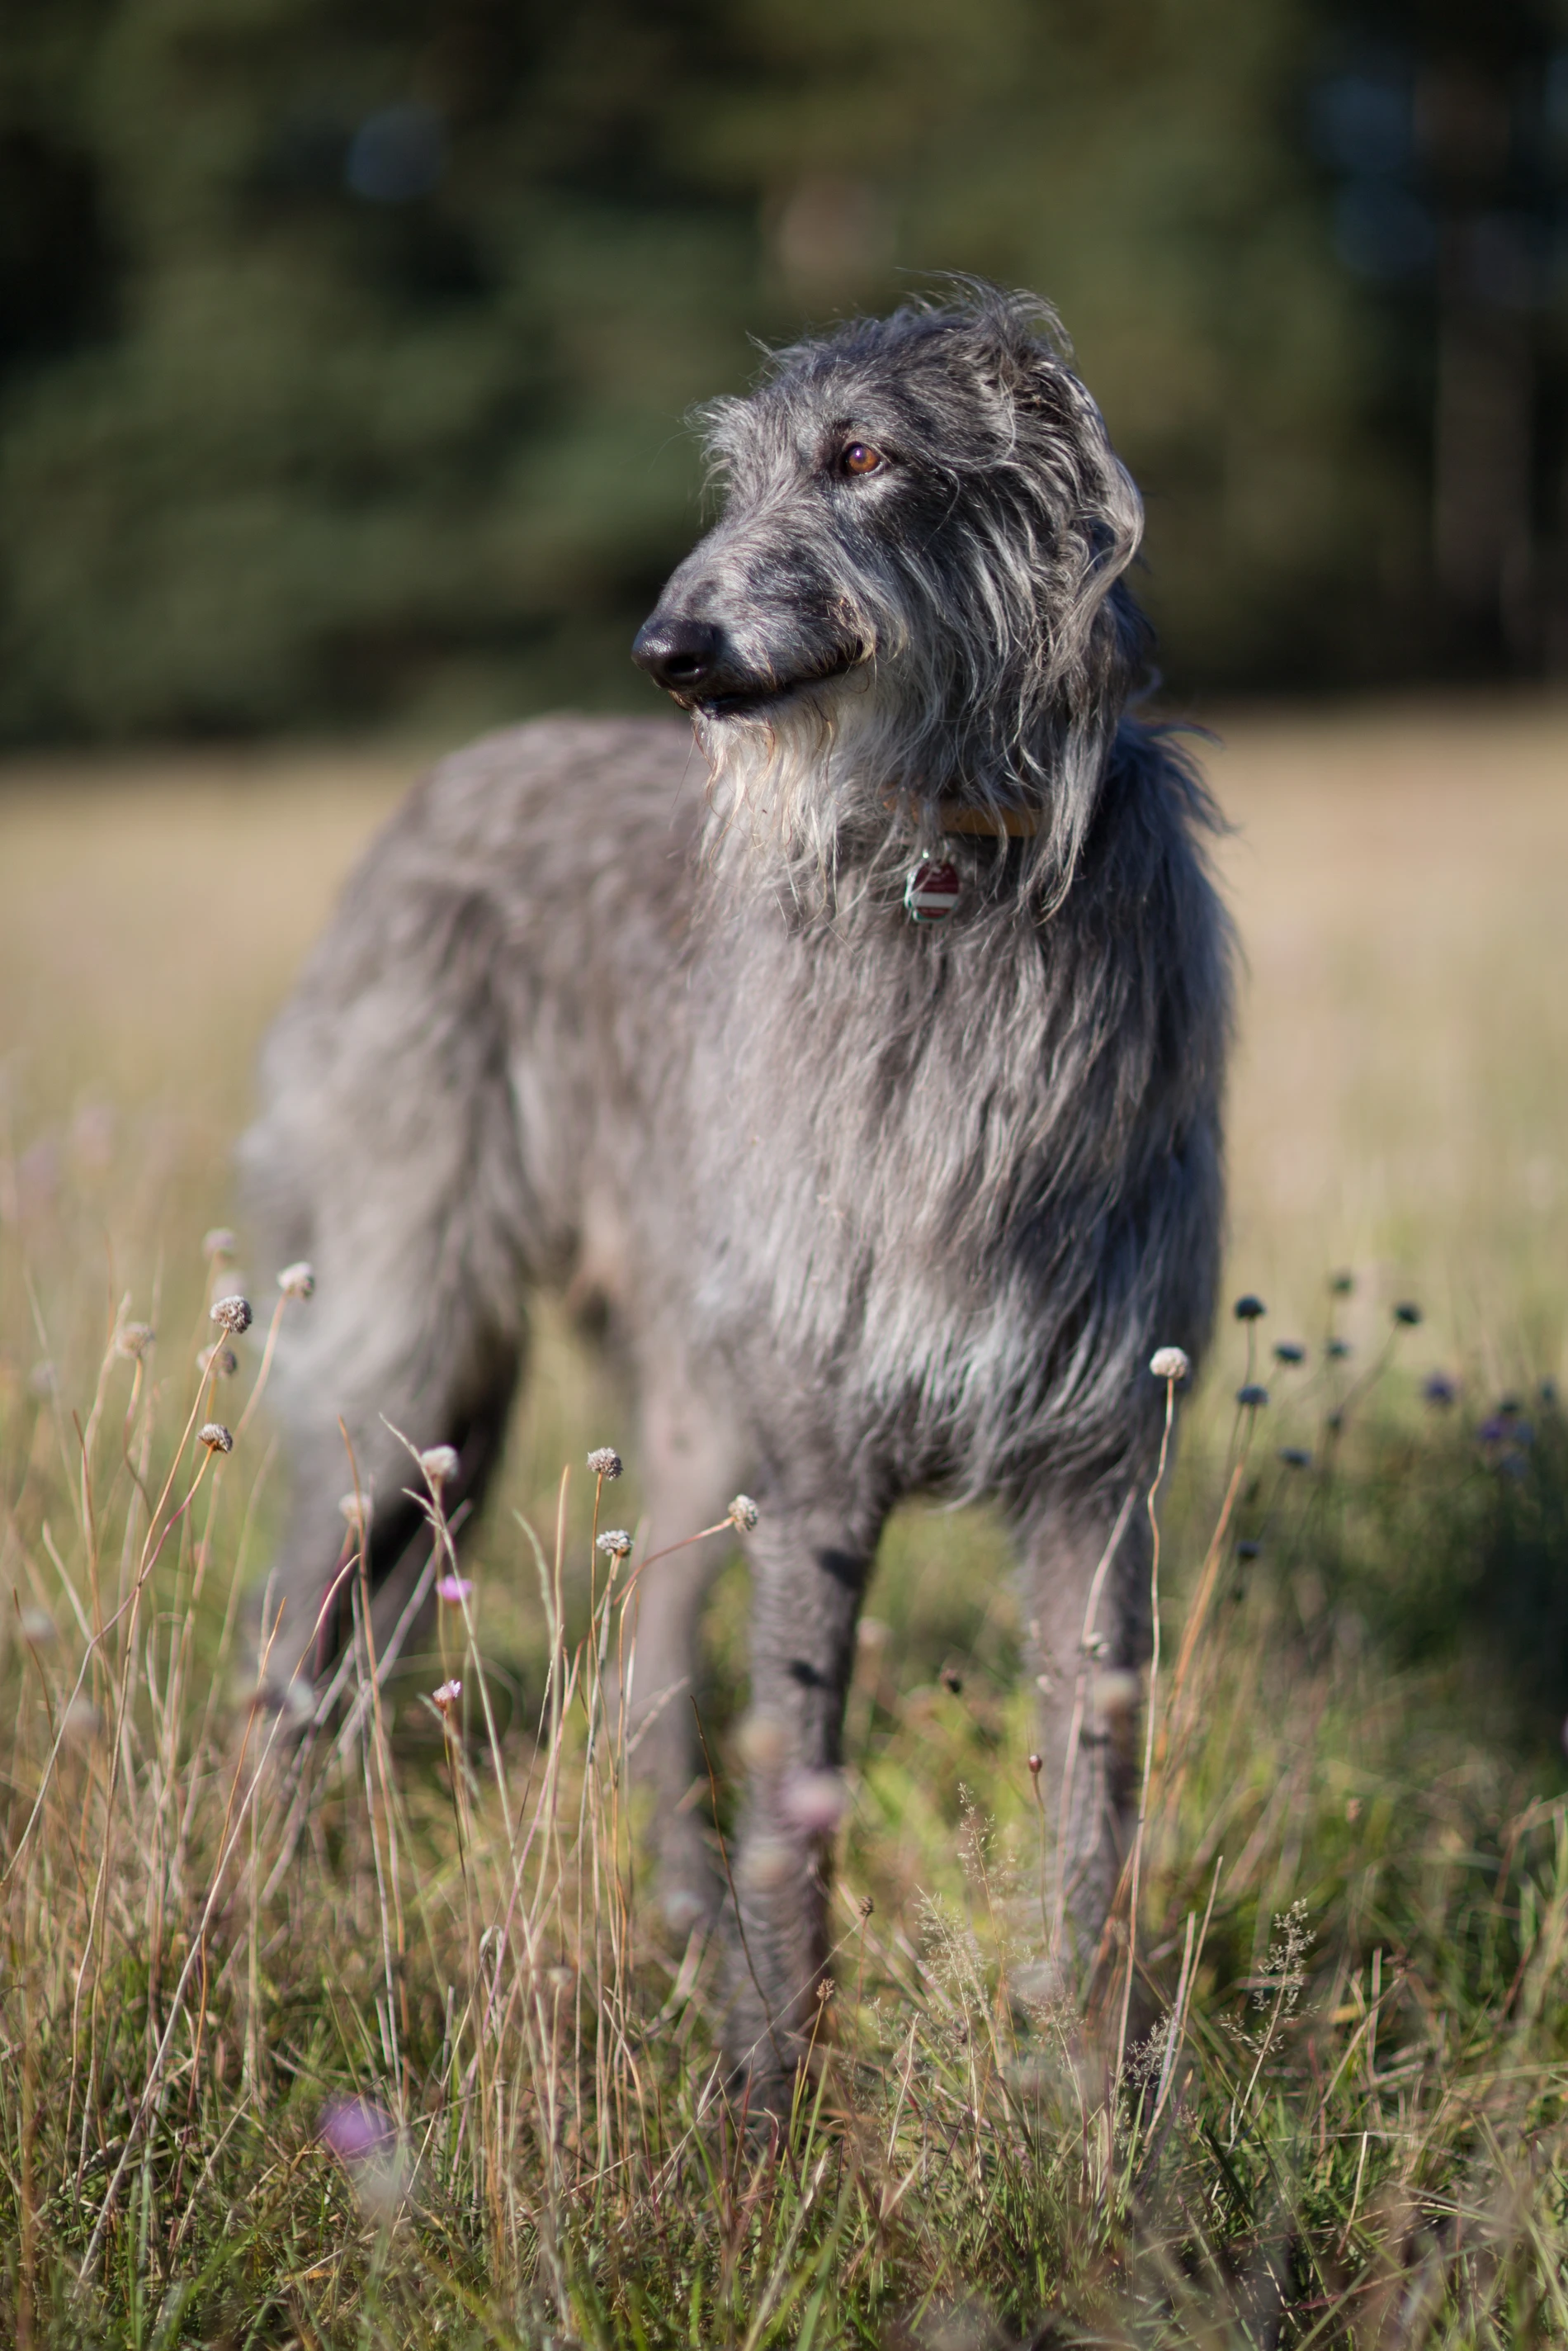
<point x="215" y="1437"/>
<point x="297" y="1280"/>
<point x="813" y="1802"/>
<point x="1169" y="1363"/>
<point x="133" y="1339"/>
<point x="1341" y="1284"/>
<point x="355" y="1509"/>
<point x="447" y="1696"/>
<point x="865" y="1905"/>
<point x="454" y="1590"/>
<point x="743" y="1514"/>
<point x="439" y="1466"/>
<point x="364" y="2138"/>
<point x="1337" y="1350"/>
<point x="232" y="1314"/>
<point x="1296" y="1457"/>
<point x="354" y="2129"/>
<point x="1439" y="1389"/>
<point x="1248" y="1309"/>
<point x="219" y="1242"/>
<point x="1407" y="1312"/>
<point x="615" y="1542"/>
<point x="952" y="1680"/>
<point x="1036" y="1765"/>
<point x="605" y="1462"/>
<point x="220" y="1361"/>
<point x="1289" y="1351"/>
<point x="1248" y="1549"/>
<point x="1251" y="1398"/>
<point x="1497" y="1430"/>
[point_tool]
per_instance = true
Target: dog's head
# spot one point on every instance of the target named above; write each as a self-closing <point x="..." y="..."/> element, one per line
<point x="913" y="582"/>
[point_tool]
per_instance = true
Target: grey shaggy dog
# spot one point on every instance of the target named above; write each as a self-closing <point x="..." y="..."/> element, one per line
<point x="879" y="1205"/>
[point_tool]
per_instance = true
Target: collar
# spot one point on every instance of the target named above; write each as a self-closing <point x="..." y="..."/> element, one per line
<point x="963" y="817"/>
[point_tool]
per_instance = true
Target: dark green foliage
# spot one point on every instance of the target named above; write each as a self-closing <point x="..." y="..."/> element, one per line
<point x="345" y="351"/>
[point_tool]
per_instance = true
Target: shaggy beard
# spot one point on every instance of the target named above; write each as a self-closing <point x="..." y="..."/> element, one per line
<point x="831" y="796"/>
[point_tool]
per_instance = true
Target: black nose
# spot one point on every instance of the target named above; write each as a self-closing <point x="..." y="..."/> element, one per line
<point x="680" y="655"/>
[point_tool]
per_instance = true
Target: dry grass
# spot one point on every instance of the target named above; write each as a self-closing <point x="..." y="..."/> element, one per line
<point x="1358" y="2138"/>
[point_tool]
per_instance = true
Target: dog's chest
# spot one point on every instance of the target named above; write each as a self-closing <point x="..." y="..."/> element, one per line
<point x="871" y="1182"/>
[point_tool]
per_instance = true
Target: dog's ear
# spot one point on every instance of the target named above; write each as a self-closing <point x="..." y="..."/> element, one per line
<point x="1093" y="641"/>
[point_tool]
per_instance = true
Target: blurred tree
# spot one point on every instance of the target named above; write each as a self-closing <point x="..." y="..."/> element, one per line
<point x="345" y="350"/>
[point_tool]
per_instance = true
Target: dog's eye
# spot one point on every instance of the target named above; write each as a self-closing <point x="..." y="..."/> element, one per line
<point x="858" y="457"/>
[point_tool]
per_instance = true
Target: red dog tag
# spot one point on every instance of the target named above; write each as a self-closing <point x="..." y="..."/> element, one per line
<point x="932" y="891"/>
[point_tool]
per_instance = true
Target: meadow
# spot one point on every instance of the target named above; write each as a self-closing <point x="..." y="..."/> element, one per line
<point x="371" y="2036"/>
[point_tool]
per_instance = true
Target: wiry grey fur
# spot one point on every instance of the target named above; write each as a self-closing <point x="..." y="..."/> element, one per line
<point x="878" y="1208"/>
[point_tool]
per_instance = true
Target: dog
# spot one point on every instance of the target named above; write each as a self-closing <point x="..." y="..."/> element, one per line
<point x="859" y="1038"/>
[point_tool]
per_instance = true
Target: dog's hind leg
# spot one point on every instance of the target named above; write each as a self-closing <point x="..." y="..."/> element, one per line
<point x="811" y="1556"/>
<point x="1085" y="1603"/>
<point x="388" y="1154"/>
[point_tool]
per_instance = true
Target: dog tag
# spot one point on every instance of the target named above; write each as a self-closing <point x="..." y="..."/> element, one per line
<point x="932" y="891"/>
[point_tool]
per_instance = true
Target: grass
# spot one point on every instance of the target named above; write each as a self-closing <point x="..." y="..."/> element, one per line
<point x="1341" y="2118"/>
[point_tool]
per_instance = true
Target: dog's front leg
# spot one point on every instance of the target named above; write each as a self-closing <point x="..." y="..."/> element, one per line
<point x="810" y="1560"/>
<point x="1085" y="1605"/>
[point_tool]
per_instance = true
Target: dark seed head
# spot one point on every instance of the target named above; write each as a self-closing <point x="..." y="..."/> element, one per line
<point x="1251" y="1398"/>
<point x="1407" y="1312"/>
<point x="951" y="1679"/>
<point x="1289" y="1351"/>
<point x="1341" y="1284"/>
<point x="1248" y="1550"/>
<point x="1248" y="1309"/>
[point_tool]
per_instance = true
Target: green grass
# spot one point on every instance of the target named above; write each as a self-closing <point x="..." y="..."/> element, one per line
<point x="1342" y="2115"/>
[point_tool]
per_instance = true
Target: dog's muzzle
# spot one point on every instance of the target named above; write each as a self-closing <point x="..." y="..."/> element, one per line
<point x="694" y="661"/>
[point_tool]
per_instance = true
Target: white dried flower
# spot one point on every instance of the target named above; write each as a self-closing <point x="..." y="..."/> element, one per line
<point x="232" y="1314"/>
<point x="767" y="1863"/>
<point x="615" y="1542"/>
<point x="743" y="1514"/>
<point x="762" y="1742"/>
<point x="215" y="1437"/>
<point x="297" y="1280"/>
<point x="447" y="1696"/>
<point x="1116" y="1691"/>
<point x="605" y="1462"/>
<point x="219" y="1242"/>
<point x="133" y="1339"/>
<point x="439" y="1465"/>
<point x="219" y="1359"/>
<point x="1169" y="1363"/>
<point x="355" y="1509"/>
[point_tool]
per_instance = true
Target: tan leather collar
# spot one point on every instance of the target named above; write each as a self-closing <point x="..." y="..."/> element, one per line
<point x="959" y="816"/>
